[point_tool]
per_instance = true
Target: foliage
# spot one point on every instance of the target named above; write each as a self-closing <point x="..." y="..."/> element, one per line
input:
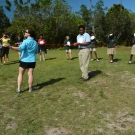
<point x="4" y="21"/>
<point x="118" y="22"/>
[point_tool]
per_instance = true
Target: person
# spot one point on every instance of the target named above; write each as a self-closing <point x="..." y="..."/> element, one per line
<point x="42" y="49"/>
<point x="67" y="44"/>
<point x="17" y="43"/>
<point x="93" y="46"/>
<point x="83" y="43"/>
<point x="132" y="50"/>
<point x="5" y="42"/>
<point x="28" y="49"/>
<point x="111" y="43"/>
<point x="1" y="53"/>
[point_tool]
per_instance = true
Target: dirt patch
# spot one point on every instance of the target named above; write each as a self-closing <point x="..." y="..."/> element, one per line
<point x="56" y="131"/>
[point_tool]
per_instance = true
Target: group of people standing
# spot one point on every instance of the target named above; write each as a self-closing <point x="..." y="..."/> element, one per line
<point x="29" y="47"/>
<point x="87" y="44"/>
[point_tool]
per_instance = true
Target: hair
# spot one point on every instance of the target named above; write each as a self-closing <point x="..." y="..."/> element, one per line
<point x="32" y="33"/>
<point x="91" y="33"/>
<point x="41" y="35"/>
<point x="81" y="26"/>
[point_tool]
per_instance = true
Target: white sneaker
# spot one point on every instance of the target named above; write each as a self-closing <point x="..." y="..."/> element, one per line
<point x="92" y="59"/>
<point x="111" y="61"/>
<point x="97" y="59"/>
<point x="129" y="62"/>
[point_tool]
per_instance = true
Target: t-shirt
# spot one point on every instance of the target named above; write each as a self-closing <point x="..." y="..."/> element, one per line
<point x="5" y="41"/>
<point x="83" y="39"/>
<point x="111" y="43"/>
<point x="28" y="49"/>
<point x="68" y="46"/>
<point x="41" y="42"/>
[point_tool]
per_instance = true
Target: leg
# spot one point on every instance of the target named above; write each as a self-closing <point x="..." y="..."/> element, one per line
<point x="85" y="57"/>
<point x="40" y="55"/>
<point x="30" y="78"/>
<point x="43" y="55"/>
<point x="91" y="55"/>
<point x="7" y="58"/>
<point x="70" y="52"/>
<point x="20" y="77"/>
<point x="67" y="55"/>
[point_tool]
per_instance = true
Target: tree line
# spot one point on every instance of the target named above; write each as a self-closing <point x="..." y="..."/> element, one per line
<point x="55" y="20"/>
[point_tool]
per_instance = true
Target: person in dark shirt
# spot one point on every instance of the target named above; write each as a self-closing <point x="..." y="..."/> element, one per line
<point x="111" y="43"/>
<point x="93" y="46"/>
<point x="17" y="43"/>
<point x="67" y="45"/>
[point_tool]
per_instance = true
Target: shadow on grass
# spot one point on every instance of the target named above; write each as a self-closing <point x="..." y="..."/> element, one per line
<point x="74" y="58"/>
<point x="41" y="85"/>
<point x="92" y="74"/>
<point x="116" y="60"/>
<point x="12" y="62"/>
<point x="51" y="58"/>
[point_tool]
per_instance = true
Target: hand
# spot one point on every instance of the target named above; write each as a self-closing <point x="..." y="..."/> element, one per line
<point x="75" y="44"/>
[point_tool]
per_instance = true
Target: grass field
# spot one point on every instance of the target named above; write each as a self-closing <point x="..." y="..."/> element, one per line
<point x="64" y="105"/>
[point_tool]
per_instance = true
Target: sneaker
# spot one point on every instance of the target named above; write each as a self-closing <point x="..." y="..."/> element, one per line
<point x="18" y="91"/>
<point x="111" y="61"/>
<point x="32" y="89"/>
<point x="97" y="59"/>
<point x="92" y="59"/>
<point x="129" y="62"/>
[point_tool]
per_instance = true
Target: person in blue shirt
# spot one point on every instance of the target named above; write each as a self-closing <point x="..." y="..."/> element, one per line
<point x="83" y="43"/>
<point x="28" y="49"/>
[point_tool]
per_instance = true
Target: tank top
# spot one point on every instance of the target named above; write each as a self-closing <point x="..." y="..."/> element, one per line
<point x="5" y="41"/>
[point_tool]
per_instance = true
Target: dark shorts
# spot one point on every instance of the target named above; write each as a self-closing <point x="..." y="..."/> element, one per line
<point x="26" y="65"/>
<point x="5" y="50"/>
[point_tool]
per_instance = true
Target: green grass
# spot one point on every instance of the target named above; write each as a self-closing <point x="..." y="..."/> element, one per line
<point x="64" y="105"/>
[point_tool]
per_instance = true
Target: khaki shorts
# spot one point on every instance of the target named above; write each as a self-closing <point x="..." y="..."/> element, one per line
<point x="69" y="51"/>
<point x="133" y="50"/>
<point x="92" y="49"/>
<point x="111" y="51"/>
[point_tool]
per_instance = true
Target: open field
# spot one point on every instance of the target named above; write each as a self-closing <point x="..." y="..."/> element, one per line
<point x="64" y="105"/>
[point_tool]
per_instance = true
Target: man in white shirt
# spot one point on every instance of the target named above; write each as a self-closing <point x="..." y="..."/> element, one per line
<point x="83" y="43"/>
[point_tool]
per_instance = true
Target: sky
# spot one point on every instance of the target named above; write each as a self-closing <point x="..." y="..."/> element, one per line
<point x="75" y="4"/>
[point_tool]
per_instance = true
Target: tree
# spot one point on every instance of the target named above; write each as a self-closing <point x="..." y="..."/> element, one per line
<point x="118" y="22"/>
<point x="4" y="21"/>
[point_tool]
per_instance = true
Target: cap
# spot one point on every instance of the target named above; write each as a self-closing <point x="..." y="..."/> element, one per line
<point x="111" y="34"/>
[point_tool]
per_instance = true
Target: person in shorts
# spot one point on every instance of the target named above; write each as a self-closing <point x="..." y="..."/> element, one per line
<point x="67" y="45"/>
<point x="42" y="49"/>
<point x="132" y="50"/>
<point x="5" y="43"/>
<point x="28" y="49"/>
<point x="93" y="46"/>
<point x="111" y="43"/>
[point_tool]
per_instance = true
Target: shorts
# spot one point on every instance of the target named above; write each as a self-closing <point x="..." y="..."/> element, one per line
<point x="69" y="50"/>
<point x="27" y="65"/>
<point x="133" y="50"/>
<point x="111" y="51"/>
<point x="92" y="49"/>
<point x="5" y="50"/>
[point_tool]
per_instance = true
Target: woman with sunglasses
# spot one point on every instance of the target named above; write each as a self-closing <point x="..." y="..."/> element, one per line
<point x="28" y="50"/>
